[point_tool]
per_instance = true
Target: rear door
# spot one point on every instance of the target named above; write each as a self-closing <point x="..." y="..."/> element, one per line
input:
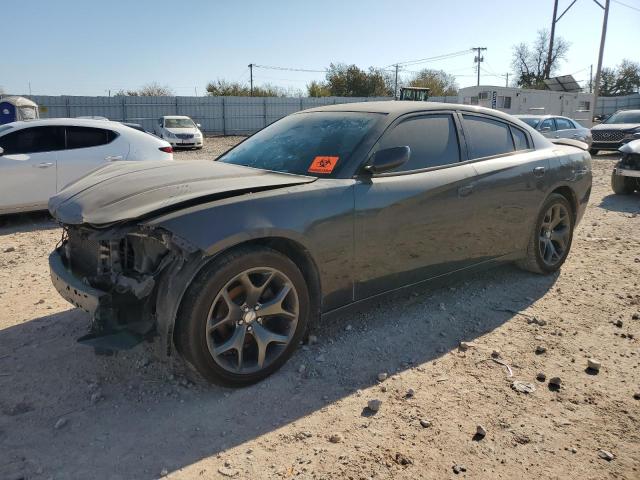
<point x="509" y="186"/>
<point x="28" y="167"/>
<point x="565" y="128"/>
<point x="414" y="223"/>
<point x="86" y="149"/>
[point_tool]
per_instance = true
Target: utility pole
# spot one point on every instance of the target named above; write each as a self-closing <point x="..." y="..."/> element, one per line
<point x="395" y="87"/>
<point x="251" y="77"/>
<point x="596" y="87"/>
<point x="547" y="66"/>
<point x="478" y="59"/>
<point x="506" y="83"/>
<point x="591" y="78"/>
<point x="29" y="87"/>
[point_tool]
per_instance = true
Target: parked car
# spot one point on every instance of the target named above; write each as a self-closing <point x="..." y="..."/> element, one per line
<point x="179" y="131"/>
<point x="625" y="178"/>
<point x="553" y="126"/>
<point x="135" y="126"/>
<point x="39" y="157"/>
<point x="620" y="128"/>
<point x="232" y="262"/>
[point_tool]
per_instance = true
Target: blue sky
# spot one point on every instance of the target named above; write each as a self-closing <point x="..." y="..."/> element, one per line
<point x="83" y="47"/>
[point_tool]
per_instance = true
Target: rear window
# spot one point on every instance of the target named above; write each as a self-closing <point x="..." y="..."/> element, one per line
<point x="86" y="137"/>
<point x="317" y="144"/>
<point x="520" y="139"/>
<point x="487" y="137"/>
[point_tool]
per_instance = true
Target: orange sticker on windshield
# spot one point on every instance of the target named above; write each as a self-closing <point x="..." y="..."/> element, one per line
<point x="323" y="164"/>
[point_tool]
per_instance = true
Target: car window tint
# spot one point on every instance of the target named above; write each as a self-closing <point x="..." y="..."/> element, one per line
<point x="432" y="139"/>
<point x="563" y="124"/>
<point x="33" y="140"/>
<point x="486" y="137"/>
<point x="85" y="137"/>
<point x="548" y="123"/>
<point x="520" y="139"/>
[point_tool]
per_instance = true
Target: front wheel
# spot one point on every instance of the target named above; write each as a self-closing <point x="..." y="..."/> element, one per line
<point x="243" y="316"/>
<point x="593" y="151"/>
<point x="622" y="185"/>
<point x="551" y="240"/>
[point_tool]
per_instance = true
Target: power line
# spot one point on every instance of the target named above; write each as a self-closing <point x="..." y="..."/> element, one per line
<point x="625" y="5"/>
<point x="431" y="59"/>
<point x="289" y="69"/>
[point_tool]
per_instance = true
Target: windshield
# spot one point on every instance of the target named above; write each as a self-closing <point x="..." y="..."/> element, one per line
<point x="531" y="121"/>
<point x="178" y="123"/>
<point x="4" y="128"/>
<point x="312" y="143"/>
<point x="630" y="116"/>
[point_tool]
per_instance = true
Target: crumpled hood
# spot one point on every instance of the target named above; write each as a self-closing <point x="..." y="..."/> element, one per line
<point x="128" y="190"/>
<point x="615" y="126"/>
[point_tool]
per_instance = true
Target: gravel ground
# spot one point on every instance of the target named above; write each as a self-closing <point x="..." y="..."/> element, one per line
<point x="66" y="413"/>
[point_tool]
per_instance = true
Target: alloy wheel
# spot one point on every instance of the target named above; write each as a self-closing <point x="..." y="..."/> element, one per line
<point x="555" y="234"/>
<point x="252" y="320"/>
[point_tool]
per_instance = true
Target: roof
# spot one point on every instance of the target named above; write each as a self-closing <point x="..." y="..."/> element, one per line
<point x="176" y="116"/>
<point x="401" y="107"/>
<point x="19" y="101"/>
<point x="76" y="122"/>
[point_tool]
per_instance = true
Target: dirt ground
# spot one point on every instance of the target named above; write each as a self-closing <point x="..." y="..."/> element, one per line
<point x="66" y="413"/>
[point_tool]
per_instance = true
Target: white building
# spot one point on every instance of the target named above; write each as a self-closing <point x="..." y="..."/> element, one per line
<point x="577" y="106"/>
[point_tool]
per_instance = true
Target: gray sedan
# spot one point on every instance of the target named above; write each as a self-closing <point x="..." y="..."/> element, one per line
<point x="552" y="126"/>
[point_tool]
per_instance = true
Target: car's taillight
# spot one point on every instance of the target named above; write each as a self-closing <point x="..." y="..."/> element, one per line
<point x="166" y="149"/>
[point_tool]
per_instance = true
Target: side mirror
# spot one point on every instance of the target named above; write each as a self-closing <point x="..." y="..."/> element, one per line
<point x="388" y="159"/>
<point x="198" y="125"/>
<point x="1" y="151"/>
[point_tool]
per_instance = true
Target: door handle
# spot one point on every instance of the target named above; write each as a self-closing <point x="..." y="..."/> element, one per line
<point x="465" y="190"/>
<point x="113" y="158"/>
<point x="538" y="171"/>
<point x="44" y="165"/>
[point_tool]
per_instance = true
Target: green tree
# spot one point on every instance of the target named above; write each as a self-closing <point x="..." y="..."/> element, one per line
<point x="350" y="81"/>
<point x="318" y="89"/>
<point x="224" y="88"/>
<point x="153" y="89"/>
<point x="622" y="80"/>
<point x="530" y="61"/>
<point x="440" y="82"/>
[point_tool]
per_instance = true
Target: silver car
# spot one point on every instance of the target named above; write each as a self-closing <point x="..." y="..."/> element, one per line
<point x="553" y="126"/>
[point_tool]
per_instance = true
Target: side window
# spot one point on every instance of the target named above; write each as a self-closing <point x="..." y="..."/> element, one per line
<point x="486" y="137"/>
<point x="563" y="124"/>
<point x="33" y="140"/>
<point x="520" y="139"/>
<point x="433" y="141"/>
<point x="85" y="137"/>
<point x="547" y="124"/>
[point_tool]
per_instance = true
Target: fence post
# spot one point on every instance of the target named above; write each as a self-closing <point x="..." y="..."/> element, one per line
<point x="300" y="104"/>
<point x="177" y="112"/>
<point x="124" y="108"/>
<point x="68" y="107"/>
<point x="264" y="111"/>
<point x="224" y="119"/>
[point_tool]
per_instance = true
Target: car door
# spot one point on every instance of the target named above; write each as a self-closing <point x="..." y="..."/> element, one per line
<point x="565" y="128"/>
<point x="28" y="167"/>
<point x="509" y="186"/>
<point x="86" y="149"/>
<point x="416" y="222"/>
<point x="547" y="127"/>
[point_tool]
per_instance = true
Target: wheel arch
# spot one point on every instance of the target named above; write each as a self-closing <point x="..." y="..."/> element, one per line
<point x="176" y="281"/>
<point x="568" y="193"/>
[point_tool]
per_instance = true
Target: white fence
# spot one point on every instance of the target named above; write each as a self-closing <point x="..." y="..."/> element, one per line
<point x="608" y="105"/>
<point x="217" y="115"/>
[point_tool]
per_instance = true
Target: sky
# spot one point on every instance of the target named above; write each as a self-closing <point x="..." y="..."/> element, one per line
<point x="86" y="47"/>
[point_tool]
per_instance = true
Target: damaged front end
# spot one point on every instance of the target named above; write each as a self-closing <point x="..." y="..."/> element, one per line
<point x="113" y="274"/>
<point x="629" y="164"/>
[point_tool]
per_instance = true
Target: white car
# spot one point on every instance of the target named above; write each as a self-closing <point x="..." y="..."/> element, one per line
<point x="40" y="157"/>
<point x="179" y="131"/>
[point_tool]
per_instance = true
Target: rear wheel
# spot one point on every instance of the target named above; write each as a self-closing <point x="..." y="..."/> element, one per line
<point x="551" y="239"/>
<point x="593" y="151"/>
<point x="622" y="185"/>
<point x="243" y="316"/>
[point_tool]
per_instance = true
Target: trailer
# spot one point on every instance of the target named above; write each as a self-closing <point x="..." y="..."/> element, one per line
<point x="14" y="108"/>
<point x="575" y="105"/>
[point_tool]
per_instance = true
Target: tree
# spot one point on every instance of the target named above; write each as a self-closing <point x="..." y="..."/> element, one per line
<point x="224" y="88"/>
<point x="530" y="61"/>
<point x="318" y="89"/>
<point x="622" y="80"/>
<point x="440" y="82"/>
<point x="350" y="81"/>
<point x="153" y="89"/>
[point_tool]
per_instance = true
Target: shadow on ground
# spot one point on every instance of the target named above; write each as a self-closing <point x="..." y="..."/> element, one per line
<point x="26" y="222"/>
<point x="622" y="203"/>
<point x="149" y="418"/>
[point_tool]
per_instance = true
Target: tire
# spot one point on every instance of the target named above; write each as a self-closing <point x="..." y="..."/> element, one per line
<point x="205" y="308"/>
<point x="622" y="185"/>
<point x="540" y="256"/>
<point x="593" y="151"/>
